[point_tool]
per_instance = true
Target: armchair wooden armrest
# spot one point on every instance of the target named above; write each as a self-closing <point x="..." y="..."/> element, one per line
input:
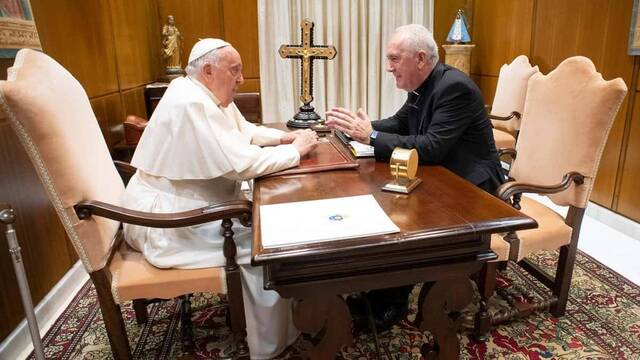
<point x="240" y="209"/>
<point x="513" y="114"/>
<point x="509" y="189"/>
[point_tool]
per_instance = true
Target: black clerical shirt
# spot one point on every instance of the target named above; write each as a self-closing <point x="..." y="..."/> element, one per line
<point x="445" y="120"/>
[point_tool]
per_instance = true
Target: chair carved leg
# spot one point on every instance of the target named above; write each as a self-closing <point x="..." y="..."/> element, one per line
<point x="140" y="308"/>
<point x="187" y="324"/>
<point x="486" y="287"/>
<point x="236" y="311"/>
<point x="564" y="273"/>
<point x="234" y="289"/>
<point x="112" y="316"/>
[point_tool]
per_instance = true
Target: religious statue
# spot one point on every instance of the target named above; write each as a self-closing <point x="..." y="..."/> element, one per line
<point x="171" y="47"/>
<point x="459" y="32"/>
<point x="307" y="52"/>
<point x="458" y="51"/>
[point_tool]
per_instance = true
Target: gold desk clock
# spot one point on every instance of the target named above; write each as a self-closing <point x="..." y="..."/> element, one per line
<point x="403" y="166"/>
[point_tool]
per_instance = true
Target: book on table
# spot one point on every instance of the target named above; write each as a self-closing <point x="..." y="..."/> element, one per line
<point x="357" y="149"/>
<point x="303" y="222"/>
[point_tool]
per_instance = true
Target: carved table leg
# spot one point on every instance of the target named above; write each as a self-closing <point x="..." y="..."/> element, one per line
<point x="441" y="308"/>
<point x="328" y="319"/>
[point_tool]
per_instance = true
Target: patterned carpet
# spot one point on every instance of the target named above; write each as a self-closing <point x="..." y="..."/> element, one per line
<point x="602" y="322"/>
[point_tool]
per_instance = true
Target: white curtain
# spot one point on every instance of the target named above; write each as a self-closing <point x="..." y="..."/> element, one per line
<point x="359" y="29"/>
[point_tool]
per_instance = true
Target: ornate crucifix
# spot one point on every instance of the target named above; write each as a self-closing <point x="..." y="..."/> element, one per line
<point x="307" y="52"/>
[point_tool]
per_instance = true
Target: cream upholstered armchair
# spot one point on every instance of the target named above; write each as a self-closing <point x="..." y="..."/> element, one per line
<point x="508" y="102"/>
<point x="574" y="107"/>
<point x="51" y="114"/>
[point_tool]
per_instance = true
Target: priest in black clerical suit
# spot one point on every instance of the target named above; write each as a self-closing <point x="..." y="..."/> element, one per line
<point x="444" y="119"/>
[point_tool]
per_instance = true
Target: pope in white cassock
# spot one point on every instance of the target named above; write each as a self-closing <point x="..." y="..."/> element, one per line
<point x="195" y="151"/>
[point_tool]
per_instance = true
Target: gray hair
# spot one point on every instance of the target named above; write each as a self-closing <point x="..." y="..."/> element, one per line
<point x="212" y="57"/>
<point x="418" y="37"/>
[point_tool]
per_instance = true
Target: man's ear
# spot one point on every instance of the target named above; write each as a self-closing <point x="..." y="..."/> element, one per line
<point x="207" y="70"/>
<point x="422" y="58"/>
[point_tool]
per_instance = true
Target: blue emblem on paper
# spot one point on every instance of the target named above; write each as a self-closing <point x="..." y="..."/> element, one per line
<point x="336" y="217"/>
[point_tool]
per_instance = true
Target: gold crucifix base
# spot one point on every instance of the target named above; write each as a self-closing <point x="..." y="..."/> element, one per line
<point x="305" y="118"/>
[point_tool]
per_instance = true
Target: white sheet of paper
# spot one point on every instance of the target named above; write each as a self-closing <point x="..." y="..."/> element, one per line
<point x="323" y="220"/>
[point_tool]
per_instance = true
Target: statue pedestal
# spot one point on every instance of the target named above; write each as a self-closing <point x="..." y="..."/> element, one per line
<point x="171" y="73"/>
<point x="458" y="56"/>
<point x="168" y="77"/>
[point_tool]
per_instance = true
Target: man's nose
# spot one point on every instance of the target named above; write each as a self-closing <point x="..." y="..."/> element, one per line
<point x="389" y="68"/>
<point x="241" y="79"/>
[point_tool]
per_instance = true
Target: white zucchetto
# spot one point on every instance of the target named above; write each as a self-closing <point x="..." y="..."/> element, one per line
<point x="203" y="46"/>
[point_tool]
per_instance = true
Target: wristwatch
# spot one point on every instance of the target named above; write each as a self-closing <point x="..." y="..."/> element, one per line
<point x="372" y="136"/>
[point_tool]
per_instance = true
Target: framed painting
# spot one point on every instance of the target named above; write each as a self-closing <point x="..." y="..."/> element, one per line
<point x="17" y="28"/>
<point x="634" y="32"/>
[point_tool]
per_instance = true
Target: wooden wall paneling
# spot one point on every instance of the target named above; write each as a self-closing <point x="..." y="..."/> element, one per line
<point x="108" y="111"/>
<point x="557" y="27"/>
<point x="195" y="19"/>
<point x="137" y="37"/>
<point x="616" y="63"/>
<point x="46" y="252"/>
<point x="595" y="29"/>
<point x="629" y="198"/>
<point x="444" y="12"/>
<point x="604" y="187"/>
<point x="250" y="85"/>
<point x="133" y="102"/>
<point x="241" y="30"/>
<point x="487" y="85"/>
<point x="501" y="30"/>
<point x="79" y="36"/>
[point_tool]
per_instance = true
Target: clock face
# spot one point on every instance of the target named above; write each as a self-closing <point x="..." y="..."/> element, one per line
<point x="404" y="163"/>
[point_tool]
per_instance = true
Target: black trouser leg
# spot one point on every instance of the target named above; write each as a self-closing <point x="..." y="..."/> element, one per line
<point x="389" y="305"/>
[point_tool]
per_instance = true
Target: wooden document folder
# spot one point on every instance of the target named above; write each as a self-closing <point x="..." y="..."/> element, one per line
<point x="330" y="154"/>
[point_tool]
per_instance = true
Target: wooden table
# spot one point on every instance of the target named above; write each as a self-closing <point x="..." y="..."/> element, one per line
<point x="446" y="225"/>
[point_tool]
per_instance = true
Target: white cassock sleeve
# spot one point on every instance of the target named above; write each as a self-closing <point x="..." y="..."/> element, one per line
<point x="272" y="159"/>
<point x="259" y="135"/>
<point x="196" y="141"/>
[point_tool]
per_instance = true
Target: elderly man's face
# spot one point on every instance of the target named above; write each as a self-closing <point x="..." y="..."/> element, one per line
<point x="405" y="64"/>
<point x="226" y="75"/>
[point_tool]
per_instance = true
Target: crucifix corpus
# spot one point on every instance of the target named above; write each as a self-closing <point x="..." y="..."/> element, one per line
<point x="307" y="52"/>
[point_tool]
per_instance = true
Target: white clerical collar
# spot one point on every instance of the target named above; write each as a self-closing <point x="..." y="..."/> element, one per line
<point x="205" y="89"/>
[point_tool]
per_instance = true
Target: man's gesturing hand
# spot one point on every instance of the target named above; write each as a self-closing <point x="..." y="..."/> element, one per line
<point x="358" y="125"/>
